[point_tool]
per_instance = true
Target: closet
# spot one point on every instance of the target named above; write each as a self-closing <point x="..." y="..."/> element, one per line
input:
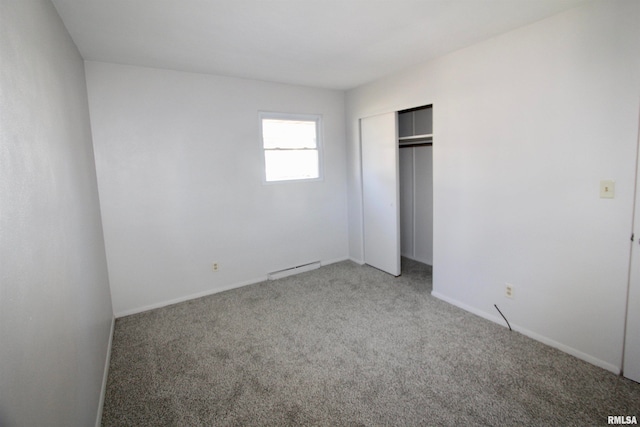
<point x="397" y="187"/>
<point x="415" y="140"/>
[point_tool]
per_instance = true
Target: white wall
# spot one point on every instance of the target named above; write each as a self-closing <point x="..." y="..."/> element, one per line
<point x="179" y="165"/>
<point x="55" y="307"/>
<point x="416" y="203"/>
<point x="405" y="163"/>
<point x="525" y="126"/>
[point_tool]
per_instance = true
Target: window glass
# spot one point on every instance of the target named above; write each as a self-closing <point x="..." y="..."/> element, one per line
<point x="291" y="146"/>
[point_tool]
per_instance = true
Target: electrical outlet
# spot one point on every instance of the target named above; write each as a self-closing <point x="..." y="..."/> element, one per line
<point x="508" y="290"/>
<point x="607" y="189"/>
<point x="214" y="266"/>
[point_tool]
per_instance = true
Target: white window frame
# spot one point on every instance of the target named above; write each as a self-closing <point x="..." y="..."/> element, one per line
<point x="317" y="118"/>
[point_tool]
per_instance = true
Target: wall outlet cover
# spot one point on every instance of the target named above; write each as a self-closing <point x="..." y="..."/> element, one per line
<point x="508" y="290"/>
<point x="607" y="189"/>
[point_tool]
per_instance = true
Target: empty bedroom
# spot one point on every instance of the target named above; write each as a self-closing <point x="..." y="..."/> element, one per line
<point x="319" y="212"/>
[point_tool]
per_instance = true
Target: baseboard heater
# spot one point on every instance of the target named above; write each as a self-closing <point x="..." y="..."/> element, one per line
<point x="293" y="270"/>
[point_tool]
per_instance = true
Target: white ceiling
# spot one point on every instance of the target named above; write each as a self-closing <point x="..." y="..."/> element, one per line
<point x="337" y="44"/>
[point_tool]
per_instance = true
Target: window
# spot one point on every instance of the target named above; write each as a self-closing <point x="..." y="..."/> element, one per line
<point x="291" y="145"/>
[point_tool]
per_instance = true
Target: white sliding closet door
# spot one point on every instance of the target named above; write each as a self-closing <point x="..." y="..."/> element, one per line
<point x="631" y="367"/>
<point x="380" y="187"/>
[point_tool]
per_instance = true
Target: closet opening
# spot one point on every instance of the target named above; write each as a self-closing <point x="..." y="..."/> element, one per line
<point x="415" y="160"/>
<point x="397" y="188"/>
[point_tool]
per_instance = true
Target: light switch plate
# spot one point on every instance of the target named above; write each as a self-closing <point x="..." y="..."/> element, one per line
<point x="607" y="189"/>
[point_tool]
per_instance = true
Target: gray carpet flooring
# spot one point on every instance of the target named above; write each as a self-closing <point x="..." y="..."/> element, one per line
<point x="346" y="345"/>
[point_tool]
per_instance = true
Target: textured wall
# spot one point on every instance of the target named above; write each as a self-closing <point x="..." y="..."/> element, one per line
<point x="525" y="126"/>
<point x="55" y="306"/>
<point x="179" y="165"/>
<point x="416" y="203"/>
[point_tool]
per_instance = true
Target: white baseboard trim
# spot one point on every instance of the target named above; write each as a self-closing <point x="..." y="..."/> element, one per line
<point x="209" y="292"/>
<point x="465" y="307"/>
<point x="333" y="261"/>
<point x="190" y="297"/>
<point x="533" y="335"/>
<point x="105" y="375"/>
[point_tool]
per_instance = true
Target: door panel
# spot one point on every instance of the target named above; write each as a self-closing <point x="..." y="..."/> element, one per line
<point x="380" y="190"/>
<point x="631" y="367"/>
